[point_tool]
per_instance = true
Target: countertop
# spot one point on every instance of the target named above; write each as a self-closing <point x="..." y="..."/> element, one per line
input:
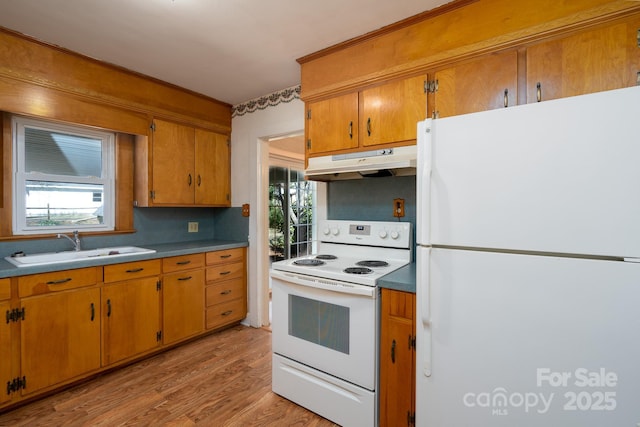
<point x="403" y="279"/>
<point x="162" y="251"/>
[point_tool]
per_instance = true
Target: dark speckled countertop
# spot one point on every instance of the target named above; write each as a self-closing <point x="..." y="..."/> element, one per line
<point x="403" y="279"/>
<point x="162" y="251"/>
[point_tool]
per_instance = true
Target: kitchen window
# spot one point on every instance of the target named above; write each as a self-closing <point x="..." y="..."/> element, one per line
<point x="64" y="178"/>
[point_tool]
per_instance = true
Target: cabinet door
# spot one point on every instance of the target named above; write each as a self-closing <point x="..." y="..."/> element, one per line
<point x="332" y="124"/>
<point x="477" y="85"/>
<point x="131" y="318"/>
<point x="213" y="168"/>
<point x="173" y="163"/>
<point x="397" y="358"/>
<point x="60" y="337"/>
<point x="183" y="305"/>
<point x="389" y="113"/>
<point x="5" y="350"/>
<point x="601" y="59"/>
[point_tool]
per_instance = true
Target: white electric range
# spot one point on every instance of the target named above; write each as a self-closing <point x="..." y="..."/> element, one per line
<point x="326" y="318"/>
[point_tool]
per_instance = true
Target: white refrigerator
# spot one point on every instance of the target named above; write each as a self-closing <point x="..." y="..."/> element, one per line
<point x="528" y="281"/>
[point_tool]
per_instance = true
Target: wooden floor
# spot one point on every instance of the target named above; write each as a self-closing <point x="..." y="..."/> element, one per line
<point x="220" y="380"/>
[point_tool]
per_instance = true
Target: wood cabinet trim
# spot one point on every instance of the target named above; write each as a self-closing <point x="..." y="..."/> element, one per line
<point x="72" y="73"/>
<point x="356" y="66"/>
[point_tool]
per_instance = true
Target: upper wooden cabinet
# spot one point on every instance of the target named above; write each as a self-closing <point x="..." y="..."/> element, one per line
<point x="385" y="114"/>
<point x="603" y="58"/>
<point x="182" y="166"/>
<point x="332" y="124"/>
<point x="212" y="168"/>
<point x="482" y="84"/>
<point x="389" y="113"/>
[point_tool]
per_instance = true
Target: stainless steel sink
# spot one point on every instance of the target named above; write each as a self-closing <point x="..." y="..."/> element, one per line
<point x="74" y="256"/>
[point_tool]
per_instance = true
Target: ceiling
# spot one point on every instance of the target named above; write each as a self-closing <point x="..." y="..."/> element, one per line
<point x="231" y="50"/>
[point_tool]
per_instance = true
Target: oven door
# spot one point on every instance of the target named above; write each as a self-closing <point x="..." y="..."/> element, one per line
<point x="328" y="325"/>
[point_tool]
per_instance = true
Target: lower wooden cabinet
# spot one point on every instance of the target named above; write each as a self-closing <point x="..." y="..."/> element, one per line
<point x="182" y="298"/>
<point x="130" y="310"/>
<point x="226" y="288"/>
<point x="397" y="358"/>
<point x="60" y="337"/>
<point x="6" y="367"/>
<point x="67" y="325"/>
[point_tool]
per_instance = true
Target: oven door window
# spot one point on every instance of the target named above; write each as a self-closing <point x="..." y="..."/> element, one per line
<point x="319" y="322"/>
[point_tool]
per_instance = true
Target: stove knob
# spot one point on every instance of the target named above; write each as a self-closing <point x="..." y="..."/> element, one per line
<point x="335" y="231"/>
<point x="383" y="234"/>
<point x="326" y="231"/>
<point x="395" y="235"/>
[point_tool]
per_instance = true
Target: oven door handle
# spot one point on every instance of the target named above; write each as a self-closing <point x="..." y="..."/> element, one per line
<point x="324" y="284"/>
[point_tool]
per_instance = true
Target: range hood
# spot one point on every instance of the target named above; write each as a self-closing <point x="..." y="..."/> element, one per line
<point x="397" y="161"/>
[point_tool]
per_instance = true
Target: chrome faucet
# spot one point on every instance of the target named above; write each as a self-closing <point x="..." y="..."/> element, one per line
<point x="75" y="240"/>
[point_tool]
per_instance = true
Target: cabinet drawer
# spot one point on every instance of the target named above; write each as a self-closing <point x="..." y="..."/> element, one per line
<point x="131" y="270"/>
<point x="187" y="277"/>
<point x="225" y="271"/>
<point x="184" y="262"/>
<point x="57" y="281"/>
<point x="225" y="313"/>
<point x="5" y="289"/>
<point x="224" y="291"/>
<point x="229" y="255"/>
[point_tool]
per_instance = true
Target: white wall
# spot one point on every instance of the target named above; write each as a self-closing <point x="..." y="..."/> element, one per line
<point x="249" y="156"/>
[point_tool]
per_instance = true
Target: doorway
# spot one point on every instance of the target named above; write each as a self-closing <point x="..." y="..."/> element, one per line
<point x="290" y="213"/>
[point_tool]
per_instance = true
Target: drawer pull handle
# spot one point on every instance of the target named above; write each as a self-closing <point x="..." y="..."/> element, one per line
<point x="225" y="256"/>
<point x="108" y="308"/>
<point x="59" y="282"/>
<point x="224" y="273"/>
<point x="227" y="292"/>
<point x="184" y="278"/>
<point x="183" y="262"/>
<point x="93" y="312"/>
<point x="226" y="313"/>
<point x="135" y="270"/>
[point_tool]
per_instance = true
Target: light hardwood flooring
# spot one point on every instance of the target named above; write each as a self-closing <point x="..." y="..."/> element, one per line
<point x="220" y="380"/>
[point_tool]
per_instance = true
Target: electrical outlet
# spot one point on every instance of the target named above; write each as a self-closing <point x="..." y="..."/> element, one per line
<point x="193" y="227"/>
<point x="398" y="208"/>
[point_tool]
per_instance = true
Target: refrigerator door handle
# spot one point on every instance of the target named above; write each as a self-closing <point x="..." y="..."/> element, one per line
<point x="424" y="282"/>
<point x="425" y="164"/>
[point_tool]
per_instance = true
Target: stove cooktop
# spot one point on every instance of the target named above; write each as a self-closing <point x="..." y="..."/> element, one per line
<point x="358" y="252"/>
<point x="346" y="269"/>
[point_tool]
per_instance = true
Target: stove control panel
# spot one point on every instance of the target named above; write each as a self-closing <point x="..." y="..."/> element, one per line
<point x="372" y="233"/>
